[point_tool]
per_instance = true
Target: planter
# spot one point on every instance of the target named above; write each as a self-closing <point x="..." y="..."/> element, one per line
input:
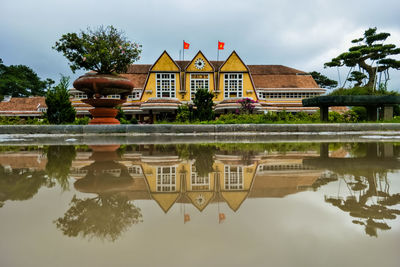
<point x="98" y="86"/>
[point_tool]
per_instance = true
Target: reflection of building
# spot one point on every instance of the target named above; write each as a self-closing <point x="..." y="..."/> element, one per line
<point x="167" y="179"/>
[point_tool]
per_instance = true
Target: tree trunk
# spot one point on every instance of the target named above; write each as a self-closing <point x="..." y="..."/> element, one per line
<point x="371" y="73"/>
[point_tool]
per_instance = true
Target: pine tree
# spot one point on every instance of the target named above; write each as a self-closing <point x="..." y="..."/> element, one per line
<point x="59" y="108"/>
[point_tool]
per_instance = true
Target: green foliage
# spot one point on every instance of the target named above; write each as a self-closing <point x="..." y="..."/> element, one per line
<point x="362" y="91"/>
<point x="59" y="164"/>
<point x="203" y="101"/>
<point x="323" y="81"/>
<point x="20" y="184"/>
<point x="59" y="108"/>
<point x="202" y="154"/>
<point x="82" y="121"/>
<point x="22" y="121"/>
<point x="183" y="114"/>
<point x="105" y="217"/>
<point x="121" y="116"/>
<point x="270" y="117"/>
<point x="361" y="113"/>
<point x="347" y="117"/>
<point x="21" y="81"/>
<point x="357" y="77"/>
<point x="371" y="48"/>
<point x="134" y="121"/>
<point x="104" y="50"/>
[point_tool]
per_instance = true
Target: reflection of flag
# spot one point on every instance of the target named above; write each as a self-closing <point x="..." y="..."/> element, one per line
<point x="186" y="218"/>
<point x="185" y="45"/>
<point x="221" y="45"/>
<point x="221" y="217"/>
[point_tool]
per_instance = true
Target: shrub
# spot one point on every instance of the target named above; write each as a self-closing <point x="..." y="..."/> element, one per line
<point x="204" y="103"/>
<point x="183" y="114"/>
<point x="59" y="108"/>
<point x="247" y="105"/>
<point x="82" y="121"/>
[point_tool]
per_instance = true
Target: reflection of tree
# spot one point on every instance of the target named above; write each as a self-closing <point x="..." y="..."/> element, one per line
<point x="203" y="156"/>
<point x="20" y="184"/>
<point x="368" y="185"/>
<point x="363" y="208"/>
<point x="59" y="160"/>
<point x="105" y="217"/>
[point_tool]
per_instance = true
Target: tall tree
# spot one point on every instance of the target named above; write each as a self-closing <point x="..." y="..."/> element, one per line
<point x="323" y="81"/>
<point x="59" y="108"/>
<point x="370" y="54"/>
<point x="21" y="81"/>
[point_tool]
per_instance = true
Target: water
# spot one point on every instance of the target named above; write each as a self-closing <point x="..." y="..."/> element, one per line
<point x="266" y="204"/>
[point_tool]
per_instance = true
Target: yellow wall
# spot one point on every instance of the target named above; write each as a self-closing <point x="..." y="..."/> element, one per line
<point x="166" y="64"/>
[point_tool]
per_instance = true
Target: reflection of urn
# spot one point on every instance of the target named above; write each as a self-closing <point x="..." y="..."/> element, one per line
<point x="105" y="174"/>
<point x="97" y="86"/>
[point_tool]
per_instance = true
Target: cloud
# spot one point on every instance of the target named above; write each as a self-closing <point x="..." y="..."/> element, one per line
<point x="300" y="34"/>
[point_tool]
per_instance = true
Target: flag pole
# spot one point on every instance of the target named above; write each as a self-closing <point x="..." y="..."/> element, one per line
<point x="183" y="50"/>
<point x="218" y="51"/>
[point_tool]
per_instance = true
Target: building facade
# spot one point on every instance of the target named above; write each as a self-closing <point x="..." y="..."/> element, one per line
<point x="159" y="89"/>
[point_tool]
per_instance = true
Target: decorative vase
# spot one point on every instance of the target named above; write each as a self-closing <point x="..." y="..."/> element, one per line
<point x="97" y="86"/>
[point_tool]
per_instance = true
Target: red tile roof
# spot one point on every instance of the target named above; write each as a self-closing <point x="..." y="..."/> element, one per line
<point x="23" y="104"/>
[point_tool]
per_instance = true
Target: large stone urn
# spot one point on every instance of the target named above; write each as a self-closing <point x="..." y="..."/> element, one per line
<point x="97" y="86"/>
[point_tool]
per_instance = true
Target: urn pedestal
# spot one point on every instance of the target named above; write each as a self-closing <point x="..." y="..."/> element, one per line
<point x="97" y="87"/>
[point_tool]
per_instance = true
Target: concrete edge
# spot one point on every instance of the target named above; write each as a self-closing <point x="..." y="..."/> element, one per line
<point x="131" y="129"/>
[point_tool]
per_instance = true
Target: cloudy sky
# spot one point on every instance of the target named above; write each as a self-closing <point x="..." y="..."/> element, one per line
<point x="299" y="34"/>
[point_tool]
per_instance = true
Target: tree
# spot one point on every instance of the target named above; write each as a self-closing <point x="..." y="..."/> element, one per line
<point x="104" y="50"/>
<point x="59" y="108"/>
<point x="21" y="81"/>
<point x="371" y="55"/>
<point x="204" y="103"/>
<point x="323" y="81"/>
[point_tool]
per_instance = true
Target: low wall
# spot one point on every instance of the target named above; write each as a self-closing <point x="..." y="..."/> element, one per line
<point x="220" y="129"/>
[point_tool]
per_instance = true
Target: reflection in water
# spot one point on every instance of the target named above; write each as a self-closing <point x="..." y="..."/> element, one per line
<point x="367" y="198"/>
<point x="109" y="214"/>
<point x="200" y="175"/>
<point x="106" y="217"/>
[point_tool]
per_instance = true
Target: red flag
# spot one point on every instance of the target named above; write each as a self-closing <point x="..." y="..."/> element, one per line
<point x="221" y="217"/>
<point x="221" y="45"/>
<point x="186" y="218"/>
<point x="185" y="45"/>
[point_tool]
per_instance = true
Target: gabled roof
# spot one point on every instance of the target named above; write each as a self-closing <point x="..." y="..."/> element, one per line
<point x="199" y="53"/>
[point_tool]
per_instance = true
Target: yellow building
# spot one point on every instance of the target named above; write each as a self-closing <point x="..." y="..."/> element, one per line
<point x="159" y="89"/>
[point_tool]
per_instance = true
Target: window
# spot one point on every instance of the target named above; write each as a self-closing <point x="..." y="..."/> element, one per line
<point x="166" y="179"/>
<point x="233" y="85"/>
<point x="199" y="182"/>
<point x="42" y="109"/>
<point x="135" y="170"/>
<point x="135" y="95"/>
<point x="114" y="96"/>
<point x="165" y="84"/>
<point x="233" y="177"/>
<point x="198" y="81"/>
<point x="80" y="96"/>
